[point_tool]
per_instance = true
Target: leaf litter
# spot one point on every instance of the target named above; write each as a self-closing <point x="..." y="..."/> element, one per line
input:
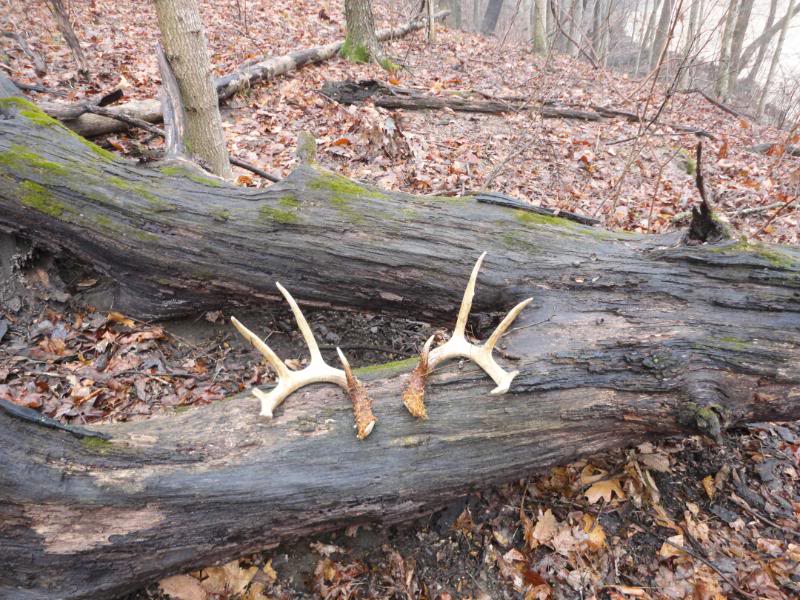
<point x="668" y="519"/>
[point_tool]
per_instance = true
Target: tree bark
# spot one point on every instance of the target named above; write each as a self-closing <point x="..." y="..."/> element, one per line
<point x="737" y="43"/>
<point x="629" y="338"/>
<point x="576" y="27"/>
<point x="721" y="87"/>
<point x="661" y="36"/>
<point x="762" y="50"/>
<point x="690" y="50"/>
<point x="490" y="17"/>
<point x="539" y="26"/>
<point x="186" y="50"/>
<point x="774" y="63"/>
<point x="361" y="43"/>
<point x="648" y="37"/>
<point x="65" y="28"/>
<point x="769" y="33"/>
<point x="138" y="225"/>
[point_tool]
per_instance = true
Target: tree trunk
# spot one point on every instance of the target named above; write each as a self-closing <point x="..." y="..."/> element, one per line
<point x="629" y="338"/>
<point x="576" y="27"/>
<point x="721" y="87"/>
<point x="361" y="43"/>
<point x="539" y="26"/>
<point x="762" y="50"/>
<point x="769" y="33"/>
<point x="431" y="21"/>
<point x="185" y="46"/>
<point x="661" y="36"/>
<point x="600" y="29"/>
<point x="65" y="28"/>
<point x="491" y="16"/>
<point x="737" y="43"/>
<point x="690" y="51"/>
<point x="774" y="63"/>
<point x="649" y="35"/>
<point x="456" y="12"/>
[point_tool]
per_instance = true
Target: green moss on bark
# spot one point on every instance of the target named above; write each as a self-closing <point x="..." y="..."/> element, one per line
<point x="156" y="204"/>
<point x="354" y="51"/>
<point x="173" y="171"/>
<point x="21" y="159"/>
<point x="267" y="214"/>
<point x="38" y="117"/>
<point x="773" y="256"/>
<point x="39" y="198"/>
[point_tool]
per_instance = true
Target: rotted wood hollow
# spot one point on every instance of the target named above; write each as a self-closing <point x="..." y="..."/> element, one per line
<point x="628" y="338"/>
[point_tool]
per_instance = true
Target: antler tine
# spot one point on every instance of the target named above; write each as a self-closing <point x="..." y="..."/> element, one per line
<point x="302" y="324"/>
<point x="466" y="303"/>
<point x="458" y="347"/>
<point x="281" y="370"/>
<point x="505" y="324"/>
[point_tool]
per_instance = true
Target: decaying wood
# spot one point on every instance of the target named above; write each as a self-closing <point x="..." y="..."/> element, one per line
<point x="89" y="125"/>
<point x="628" y="338"/>
<point x="172" y="110"/>
<point x="775" y="149"/>
<point x="394" y="97"/>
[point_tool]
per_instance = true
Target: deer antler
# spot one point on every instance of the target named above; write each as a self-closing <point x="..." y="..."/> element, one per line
<point x="317" y="371"/>
<point x="458" y="347"/>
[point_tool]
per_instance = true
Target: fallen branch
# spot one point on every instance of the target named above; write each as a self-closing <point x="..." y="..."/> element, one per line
<point x="393" y="97"/>
<point x="718" y="104"/>
<point x="775" y="149"/>
<point x="227" y="85"/>
<point x="150" y="128"/>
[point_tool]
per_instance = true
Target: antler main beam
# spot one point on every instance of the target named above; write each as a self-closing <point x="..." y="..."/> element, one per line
<point x="458" y="347"/>
<point x="317" y="371"/>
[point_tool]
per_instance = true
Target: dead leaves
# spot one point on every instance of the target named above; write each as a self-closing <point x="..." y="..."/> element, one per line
<point x="600" y="485"/>
<point x="214" y="582"/>
<point x="88" y="366"/>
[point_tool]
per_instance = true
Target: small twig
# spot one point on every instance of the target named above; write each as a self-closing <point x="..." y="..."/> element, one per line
<point x="718" y="104"/>
<point x="694" y="555"/>
<point x="123" y="117"/>
<point x="745" y="507"/>
<point x="756" y="209"/>
<point x="149" y="127"/>
<point x="35" y="87"/>
<point x="254" y="169"/>
<point x="783" y="207"/>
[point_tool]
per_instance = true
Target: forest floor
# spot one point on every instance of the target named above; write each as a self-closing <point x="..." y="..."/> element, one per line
<point x="669" y="519"/>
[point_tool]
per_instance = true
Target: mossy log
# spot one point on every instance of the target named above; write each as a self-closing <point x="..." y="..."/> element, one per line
<point x="628" y="338"/>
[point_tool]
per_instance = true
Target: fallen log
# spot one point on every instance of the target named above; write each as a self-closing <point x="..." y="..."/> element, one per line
<point x="628" y="338"/>
<point x="393" y="97"/>
<point x="775" y="149"/>
<point x="92" y="125"/>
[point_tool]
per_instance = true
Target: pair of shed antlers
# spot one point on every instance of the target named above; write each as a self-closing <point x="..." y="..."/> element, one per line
<point x="318" y="371"/>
